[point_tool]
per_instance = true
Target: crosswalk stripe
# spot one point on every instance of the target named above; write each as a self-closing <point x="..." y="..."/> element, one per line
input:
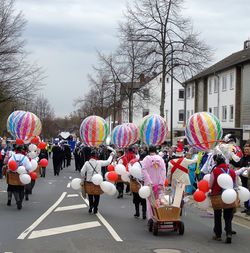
<point x="66" y="208"/>
<point x="41" y="218"/>
<point x="72" y="195"/>
<point x="63" y="229"/>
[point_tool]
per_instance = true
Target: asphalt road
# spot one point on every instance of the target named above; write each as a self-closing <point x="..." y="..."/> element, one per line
<point x="56" y="219"/>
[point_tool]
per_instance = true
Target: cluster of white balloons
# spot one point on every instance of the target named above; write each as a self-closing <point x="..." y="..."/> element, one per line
<point x="229" y="195"/>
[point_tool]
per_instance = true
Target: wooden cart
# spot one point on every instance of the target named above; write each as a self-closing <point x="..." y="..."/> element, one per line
<point x="165" y="218"/>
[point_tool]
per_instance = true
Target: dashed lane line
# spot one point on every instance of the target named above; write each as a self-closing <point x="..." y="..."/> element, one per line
<point x="106" y="224"/>
<point x="41" y="218"/>
<point x="67" y="208"/>
<point x="72" y="195"/>
<point x="68" y="185"/>
<point x="63" y="229"/>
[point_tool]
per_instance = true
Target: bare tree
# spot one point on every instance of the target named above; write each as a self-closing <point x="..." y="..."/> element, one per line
<point x="17" y="77"/>
<point x="173" y="42"/>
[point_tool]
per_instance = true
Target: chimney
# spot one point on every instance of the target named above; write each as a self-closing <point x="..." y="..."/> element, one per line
<point x="247" y="44"/>
<point x="142" y="78"/>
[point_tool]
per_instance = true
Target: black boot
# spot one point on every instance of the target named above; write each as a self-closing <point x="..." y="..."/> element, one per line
<point x="228" y="239"/>
<point x="9" y="198"/>
<point x="137" y="211"/>
<point x="144" y="212"/>
<point x="19" y="205"/>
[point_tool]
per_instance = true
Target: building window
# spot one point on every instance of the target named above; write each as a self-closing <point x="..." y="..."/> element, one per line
<point x="181" y="94"/>
<point x="224" y="113"/>
<point x="210" y="109"/>
<point x="210" y="86"/>
<point x="231" y="81"/>
<point x="231" y="112"/>
<point x="224" y="83"/>
<point x="145" y="94"/>
<point x="216" y="112"/>
<point x="181" y="115"/>
<point x="145" y="112"/>
<point x="188" y="115"/>
<point x="188" y="91"/>
<point x="215" y="84"/>
<point x="193" y="90"/>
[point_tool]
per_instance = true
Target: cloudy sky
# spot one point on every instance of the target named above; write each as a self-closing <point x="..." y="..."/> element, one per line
<point x="63" y="36"/>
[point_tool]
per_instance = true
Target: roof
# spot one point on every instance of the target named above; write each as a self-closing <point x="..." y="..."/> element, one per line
<point x="230" y="61"/>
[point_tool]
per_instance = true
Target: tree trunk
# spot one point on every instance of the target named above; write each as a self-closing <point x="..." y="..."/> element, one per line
<point x="130" y="108"/>
<point x="163" y="90"/>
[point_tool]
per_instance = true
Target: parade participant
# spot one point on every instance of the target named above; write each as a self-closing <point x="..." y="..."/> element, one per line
<point x="221" y="167"/>
<point x="43" y="155"/>
<point x="57" y="158"/>
<point x="18" y="190"/>
<point x="245" y="176"/>
<point x="121" y="159"/>
<point x="137" y="200"/>
<point x="191" y="171"/>
<point x="154" y="175"/>
<point x="90" y="168"/>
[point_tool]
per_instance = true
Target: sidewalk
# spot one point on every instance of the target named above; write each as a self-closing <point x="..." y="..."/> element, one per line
<point x="238" y="216"/>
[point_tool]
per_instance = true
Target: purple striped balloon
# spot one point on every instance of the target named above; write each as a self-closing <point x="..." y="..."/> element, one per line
<point x="153" y="130"/>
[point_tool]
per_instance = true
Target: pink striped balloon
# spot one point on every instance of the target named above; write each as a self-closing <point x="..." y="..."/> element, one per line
<point x="203" y="131"/>
<point x="93" y="131"/>
<point x="134" y="131"/>
<point x="24" y="125"/>
<point x="122" y="136"/>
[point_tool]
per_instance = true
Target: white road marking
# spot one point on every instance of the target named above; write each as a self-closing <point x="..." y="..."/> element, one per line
<point x="240" y="224"/>
<point x="72" y="195"/>
<point x="68" y="185"/>
<point x="63" y="229"/>
<point x="66" y="208"/>
<point x="106" y="224"/>
<point x="41" y="218"/>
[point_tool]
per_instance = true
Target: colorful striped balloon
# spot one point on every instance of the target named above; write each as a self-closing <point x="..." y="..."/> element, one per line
<point x="93" y="131"/>
<point x="24" y="125"/>
<point x="203" y="131"/>
<point x="122" y="136"/>
<point x="135" y="132"/>
<point x="153" y="130"/>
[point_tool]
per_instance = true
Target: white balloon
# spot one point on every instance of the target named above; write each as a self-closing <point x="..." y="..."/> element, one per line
<point x="244" y="194"/>
<point x="21" y="170"/>
<point x="34" y="164"/>
<point x="120" y="169"/>
<point x="229" y="196"/>
<point x="106" y="176"/>
<point x="97" y="179"/>
<point x="106" y="186"/>
<point x="225" y="181"/>
<point x="135" y="170"/>
<point x="76" y="183"/>
<point x="32" y="147"/>
<point x="144" y="192"/>
<point x="125" y="177"/>
<point x="113" y="191"/>
<point x="207" y="177"/>
<point x="32" y="154"/>
<point x="25" y="178"/>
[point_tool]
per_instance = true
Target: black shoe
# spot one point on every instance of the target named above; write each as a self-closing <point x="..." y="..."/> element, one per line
<point x="19" y="205"/>
<point x="27" y="197"/>
<point x="90" y="210"/>
<point x="144" y="217"/>
<point x="95" y="210"/>
<point x="9" y="203"/>
<point x="137" y="215"/>
<point x="234" y="232"/>
<point x="228" y="239"/>
<point x="244" y="211"/>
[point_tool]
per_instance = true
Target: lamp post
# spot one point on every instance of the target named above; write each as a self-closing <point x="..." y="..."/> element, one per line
<point x="171" y="91"/>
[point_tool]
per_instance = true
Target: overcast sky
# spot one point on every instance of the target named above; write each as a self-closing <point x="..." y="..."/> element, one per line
<point x="63" y="36"/>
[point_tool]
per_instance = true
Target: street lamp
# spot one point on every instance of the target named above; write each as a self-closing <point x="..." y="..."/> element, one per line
<point x="171" y="91"/>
